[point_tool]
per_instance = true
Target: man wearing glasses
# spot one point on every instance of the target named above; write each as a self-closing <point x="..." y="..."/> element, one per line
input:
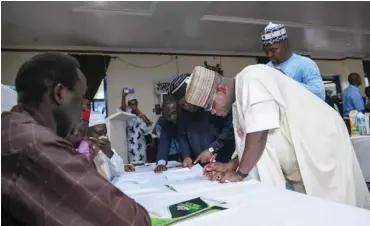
<point x="201" y="134"/>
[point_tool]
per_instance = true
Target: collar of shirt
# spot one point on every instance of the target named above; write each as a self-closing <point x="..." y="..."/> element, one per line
<point x="39" y="116"/>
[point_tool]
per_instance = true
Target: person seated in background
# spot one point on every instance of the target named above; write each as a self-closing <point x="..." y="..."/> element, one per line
<point x="352" y="99"/>
<point x="137" y="129"/>
<point x="8" y="98"/>
<point x="166" y="130"/>
<point x="108" y="163"/>
<point x="45" y="181"/>
<point x="200" y="133"/>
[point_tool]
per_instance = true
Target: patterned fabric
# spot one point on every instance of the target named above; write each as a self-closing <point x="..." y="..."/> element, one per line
<point x="305" y="71"/>
<point x="177" y="82"/>
<point x="200" y="86"/>
<point x="136" y="132"/>
<point x="274" y="33"/>
<point x="45" y="181"/>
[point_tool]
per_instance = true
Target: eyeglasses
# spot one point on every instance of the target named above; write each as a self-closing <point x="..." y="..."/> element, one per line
<point x="210" y="108"/>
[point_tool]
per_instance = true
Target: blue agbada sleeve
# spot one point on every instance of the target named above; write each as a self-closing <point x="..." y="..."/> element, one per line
<point x="312" y="80"/>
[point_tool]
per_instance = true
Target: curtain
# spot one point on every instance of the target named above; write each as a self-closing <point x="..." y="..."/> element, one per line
<point x="94" y="68"/>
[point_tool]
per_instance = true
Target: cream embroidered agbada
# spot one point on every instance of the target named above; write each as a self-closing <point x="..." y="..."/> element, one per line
<point x="307" y="145"/>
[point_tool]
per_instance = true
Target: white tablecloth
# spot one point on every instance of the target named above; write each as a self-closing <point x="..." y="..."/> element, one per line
<point x="361" y="145"/>
<point x="248" y="202"/>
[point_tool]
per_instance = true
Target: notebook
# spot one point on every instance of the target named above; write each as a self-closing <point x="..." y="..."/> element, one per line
<point x="179" y="211"/>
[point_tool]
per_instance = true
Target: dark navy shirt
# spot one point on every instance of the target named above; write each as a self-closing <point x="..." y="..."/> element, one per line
<point x="200" y="130"/>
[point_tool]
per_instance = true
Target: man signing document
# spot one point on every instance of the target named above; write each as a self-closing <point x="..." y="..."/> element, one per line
<point x="280" y="138"/>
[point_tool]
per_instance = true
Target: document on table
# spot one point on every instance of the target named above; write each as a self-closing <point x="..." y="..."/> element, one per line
<point x="184" y="173"/>
<point x="167" y="215"/>
<point x="128" y="182"/>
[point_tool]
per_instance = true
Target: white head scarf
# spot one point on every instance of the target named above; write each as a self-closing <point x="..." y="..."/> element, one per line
<point x="96" y="118"/>
<point x="131" y="98"/>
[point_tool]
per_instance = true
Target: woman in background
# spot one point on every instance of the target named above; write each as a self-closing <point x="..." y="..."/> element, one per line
<point x="137" y="129"/>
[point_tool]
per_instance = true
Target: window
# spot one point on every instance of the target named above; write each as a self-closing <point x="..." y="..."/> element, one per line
<point x="99" y="103"/>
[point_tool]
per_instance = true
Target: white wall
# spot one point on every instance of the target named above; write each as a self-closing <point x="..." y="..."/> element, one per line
<point x="140" y="77"/>
<point x="138" y="72"/>
<point x="342" y="68"/>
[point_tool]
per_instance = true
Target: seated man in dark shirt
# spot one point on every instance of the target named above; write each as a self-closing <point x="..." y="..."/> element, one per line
<point x="200" y="133"/>
<point x="166" y="130"/>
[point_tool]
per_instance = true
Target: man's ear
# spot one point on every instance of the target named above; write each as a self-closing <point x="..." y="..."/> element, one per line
<point x="59" y="93"/>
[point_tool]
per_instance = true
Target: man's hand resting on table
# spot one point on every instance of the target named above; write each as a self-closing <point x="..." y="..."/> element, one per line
<point x="129" y="168"/>
<point x="214" y="171"/>
<point x="160" y="168"/>
<point x="187" y="163"/>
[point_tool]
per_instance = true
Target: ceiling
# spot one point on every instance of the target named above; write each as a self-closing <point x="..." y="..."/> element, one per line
<point x="319" y="29"/>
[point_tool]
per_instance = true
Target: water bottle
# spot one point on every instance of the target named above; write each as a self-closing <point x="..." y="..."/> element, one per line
<point x="360" y="119"/>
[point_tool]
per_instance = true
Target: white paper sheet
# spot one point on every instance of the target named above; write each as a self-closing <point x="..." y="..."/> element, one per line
<point x="184" y="173"/>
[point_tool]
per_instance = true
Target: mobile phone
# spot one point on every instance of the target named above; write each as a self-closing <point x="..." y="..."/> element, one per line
<point x="128" y="91"/>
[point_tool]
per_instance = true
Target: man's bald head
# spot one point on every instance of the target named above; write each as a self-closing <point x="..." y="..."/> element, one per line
<point x="354" y="79"/>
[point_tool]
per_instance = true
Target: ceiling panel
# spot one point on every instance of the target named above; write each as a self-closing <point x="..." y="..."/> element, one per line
<point x="334" y="29"/>
<point x="339" y="14"/>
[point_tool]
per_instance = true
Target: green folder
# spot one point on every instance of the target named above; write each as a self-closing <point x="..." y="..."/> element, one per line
<point x="180" y="211"/>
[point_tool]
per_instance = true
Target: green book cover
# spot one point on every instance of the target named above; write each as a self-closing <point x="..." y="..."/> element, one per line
<point x="180" y="211"/>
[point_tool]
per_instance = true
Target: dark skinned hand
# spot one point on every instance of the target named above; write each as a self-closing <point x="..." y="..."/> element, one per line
<point x="129" y="168"/>
<point x="217" y="167"/>
<point x="213" y="175"/>
<point x="93" y="147"/>
<point x="160" y="168"/>
<point x="203" y="157"/>
<point x="231" y="176"/>
<point x="187" y="163"/>
<point x="105" y="145"/>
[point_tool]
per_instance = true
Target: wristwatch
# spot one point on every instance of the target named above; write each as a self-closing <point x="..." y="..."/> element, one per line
<point x="211" y="150"/>
<point x="239" y="173"/>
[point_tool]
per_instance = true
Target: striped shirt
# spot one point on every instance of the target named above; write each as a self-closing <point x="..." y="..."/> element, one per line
<point x="45" y="181"/>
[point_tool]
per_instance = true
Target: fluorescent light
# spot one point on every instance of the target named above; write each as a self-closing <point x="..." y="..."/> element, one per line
<point x="226" y="19"/>
<point x="115" y="12"/>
